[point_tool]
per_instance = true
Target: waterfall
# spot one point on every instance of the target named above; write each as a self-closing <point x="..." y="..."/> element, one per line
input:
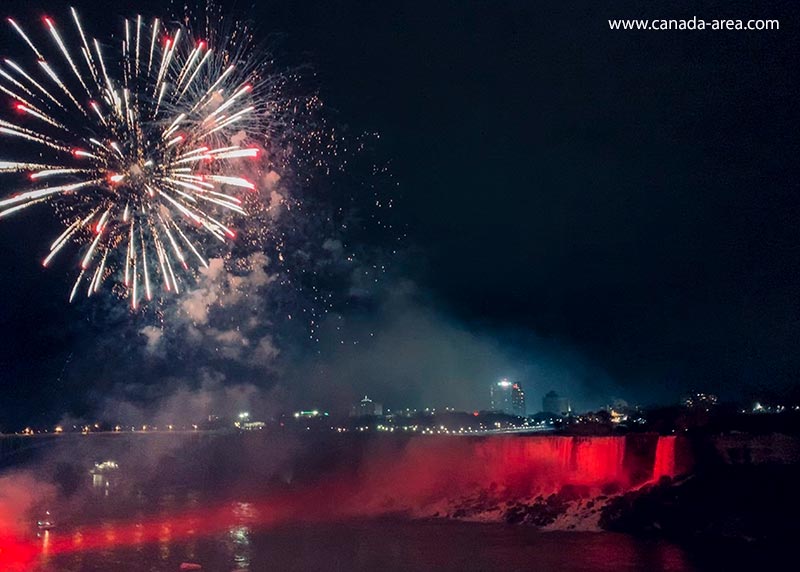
<point x="664" y="463"/>
<point x="564" y="452"/>
<point x="598" y="460"/>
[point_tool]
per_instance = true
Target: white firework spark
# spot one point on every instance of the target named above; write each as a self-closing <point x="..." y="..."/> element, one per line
<point x="142" y="153"/>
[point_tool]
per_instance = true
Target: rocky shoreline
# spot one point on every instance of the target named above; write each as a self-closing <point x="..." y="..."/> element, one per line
<point x="753" y="506"/>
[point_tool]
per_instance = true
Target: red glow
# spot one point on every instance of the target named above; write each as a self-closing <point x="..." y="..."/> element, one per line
<point x="664" y="464"/>
<point x="15" y="554"/>
<point x="48" y="21"/>
<point x="425" y="471"/>
<point x="201" y="44"/>
<point x="313" y="505"/>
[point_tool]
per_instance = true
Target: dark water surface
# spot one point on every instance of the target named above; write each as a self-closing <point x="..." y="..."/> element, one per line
<point x="383" y="545"/>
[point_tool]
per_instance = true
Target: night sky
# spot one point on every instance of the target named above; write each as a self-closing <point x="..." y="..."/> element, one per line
<point x="626" y="201"/>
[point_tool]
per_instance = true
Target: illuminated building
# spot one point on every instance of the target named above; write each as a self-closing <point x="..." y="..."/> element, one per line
<point x="246" y="424"/>
<point x="508" y="397"/>
<point x="366" y="407"/>
<point x="552" y="402"/>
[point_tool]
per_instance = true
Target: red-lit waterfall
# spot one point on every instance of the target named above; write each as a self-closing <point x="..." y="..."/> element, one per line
<point x="551" y="462"/>
<point x="429" y="469"/>
<point x="664" y="464"/>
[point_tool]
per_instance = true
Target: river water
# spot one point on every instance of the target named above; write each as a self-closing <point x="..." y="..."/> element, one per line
<point x="385" y="545"/>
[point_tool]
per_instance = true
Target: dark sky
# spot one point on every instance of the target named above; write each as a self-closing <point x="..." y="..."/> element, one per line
<point x="631" y="195"/>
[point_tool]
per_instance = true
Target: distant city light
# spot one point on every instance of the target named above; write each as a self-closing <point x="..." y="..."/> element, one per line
<point x="310" y="413"/>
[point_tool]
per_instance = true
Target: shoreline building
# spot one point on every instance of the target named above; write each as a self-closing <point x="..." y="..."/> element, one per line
<point x="366" y="408"/>
<point x="508" y="397"/>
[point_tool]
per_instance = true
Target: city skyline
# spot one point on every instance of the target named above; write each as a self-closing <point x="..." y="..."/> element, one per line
<point x="595" y="277"/>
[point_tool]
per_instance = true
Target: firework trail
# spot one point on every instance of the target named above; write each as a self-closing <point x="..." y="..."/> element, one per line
<point x="140" y="147"/>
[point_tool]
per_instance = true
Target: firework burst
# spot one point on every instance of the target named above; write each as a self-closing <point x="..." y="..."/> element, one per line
<point x="140" y="147"/>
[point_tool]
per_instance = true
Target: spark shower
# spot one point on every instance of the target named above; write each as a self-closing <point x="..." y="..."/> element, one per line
<point x="140" y="145"/>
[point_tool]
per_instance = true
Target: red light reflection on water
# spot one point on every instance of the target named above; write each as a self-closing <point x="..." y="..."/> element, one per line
<point x="18" y="553"/>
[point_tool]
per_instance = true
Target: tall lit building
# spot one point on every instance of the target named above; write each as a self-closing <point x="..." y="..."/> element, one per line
<point x="508" y="397"/>
<point x="552" y="402"/>
<point x="366" y="407"/>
